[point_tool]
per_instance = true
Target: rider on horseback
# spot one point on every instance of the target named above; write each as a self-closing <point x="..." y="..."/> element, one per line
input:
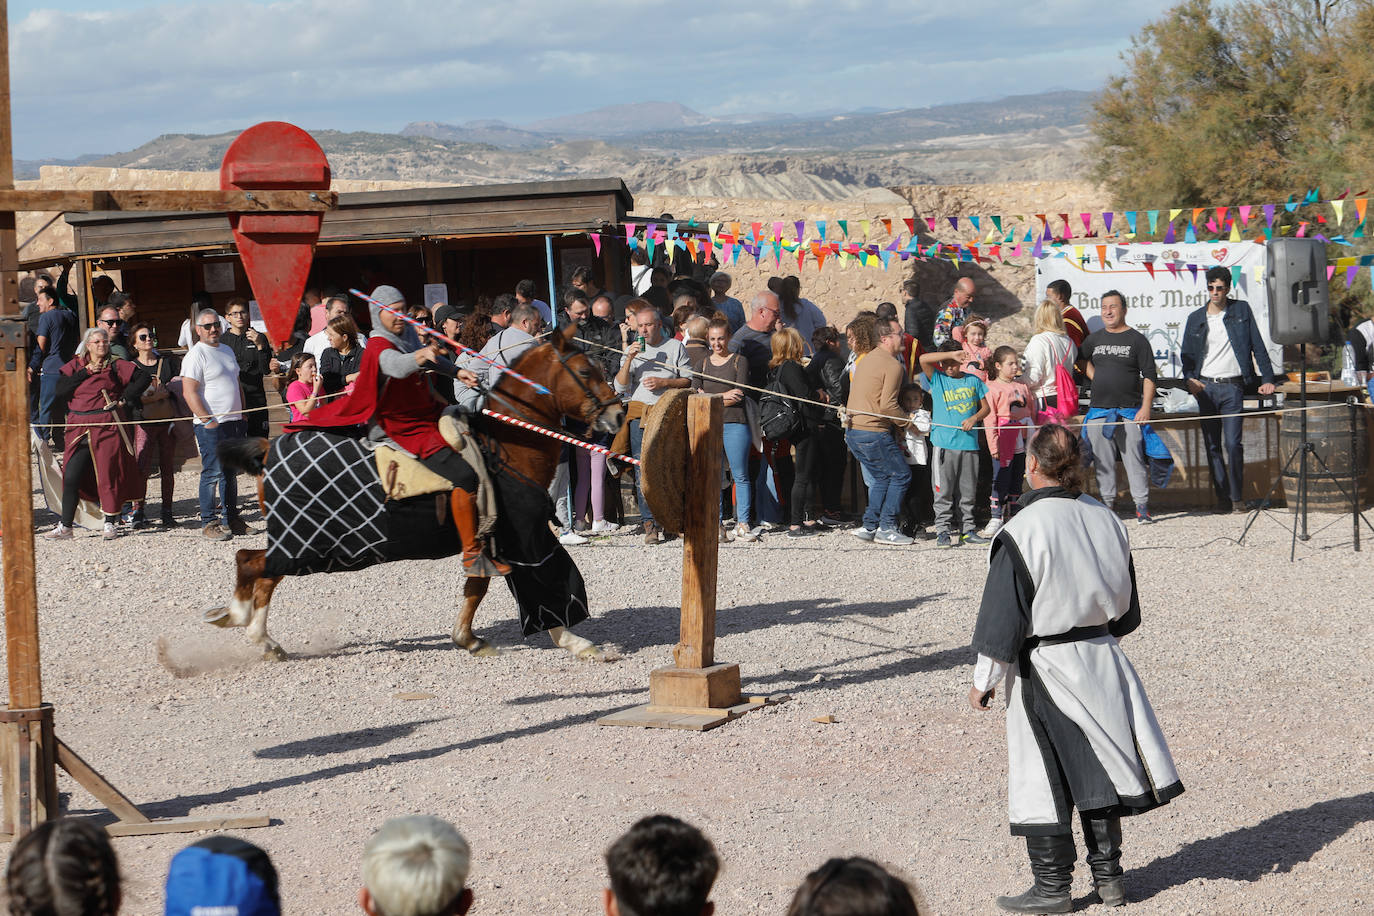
<point x="393" y="400"/>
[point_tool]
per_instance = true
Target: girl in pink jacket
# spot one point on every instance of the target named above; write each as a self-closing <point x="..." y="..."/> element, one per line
<point x="1008" y="427"/>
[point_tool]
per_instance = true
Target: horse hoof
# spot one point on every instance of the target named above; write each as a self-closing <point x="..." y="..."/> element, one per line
<point x="274" y="653"/>
<point x="217" y="617"/>
<point x="591" y="654"/>
<point x="476" y="646"/>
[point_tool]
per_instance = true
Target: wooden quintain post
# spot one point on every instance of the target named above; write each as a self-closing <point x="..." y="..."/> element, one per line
<point x="697" y="693"/>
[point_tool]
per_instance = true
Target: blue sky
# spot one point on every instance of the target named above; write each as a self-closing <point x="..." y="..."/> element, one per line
<point x="90" y="77"/>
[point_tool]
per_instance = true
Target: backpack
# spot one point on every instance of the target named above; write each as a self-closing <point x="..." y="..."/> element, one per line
<point x="779" y="418"/>
<point x="1066" y="396"/>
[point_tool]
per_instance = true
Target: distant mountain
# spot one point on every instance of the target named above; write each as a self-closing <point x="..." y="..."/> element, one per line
<point x="615" y="120"/>
<point x="666" y="148"/>
<point x="497" y="133"/>
<point x="28" y="168"/>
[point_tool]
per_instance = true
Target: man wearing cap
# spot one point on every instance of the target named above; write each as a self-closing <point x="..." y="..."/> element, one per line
<point x="395" y="402"/>
<point x="224" y="876"/>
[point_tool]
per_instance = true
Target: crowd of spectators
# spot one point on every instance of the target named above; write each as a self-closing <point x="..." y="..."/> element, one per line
<point x="933" y="418"/>
<point x="416" y="865"/>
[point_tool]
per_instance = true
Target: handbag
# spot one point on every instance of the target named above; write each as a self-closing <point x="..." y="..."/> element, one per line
<point x="159" y="410"/>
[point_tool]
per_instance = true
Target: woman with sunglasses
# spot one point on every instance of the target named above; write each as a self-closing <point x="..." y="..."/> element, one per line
<point x="154" y="439"/>
<point x="98" y="462"/>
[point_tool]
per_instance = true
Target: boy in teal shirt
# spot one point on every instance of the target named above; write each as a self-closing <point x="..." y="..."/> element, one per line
<point x="958" y="402"/>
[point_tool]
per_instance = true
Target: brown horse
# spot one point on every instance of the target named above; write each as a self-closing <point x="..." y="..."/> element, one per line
<point x="579" y="392"/>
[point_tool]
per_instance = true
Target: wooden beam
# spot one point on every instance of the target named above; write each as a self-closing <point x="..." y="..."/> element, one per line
<point x="166" y="201"/>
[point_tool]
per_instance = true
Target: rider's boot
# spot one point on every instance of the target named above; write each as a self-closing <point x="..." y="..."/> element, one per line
<point x="475" y="562"/>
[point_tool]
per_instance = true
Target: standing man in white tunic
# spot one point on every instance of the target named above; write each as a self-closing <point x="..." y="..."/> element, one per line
<point x="1080" y="731"/>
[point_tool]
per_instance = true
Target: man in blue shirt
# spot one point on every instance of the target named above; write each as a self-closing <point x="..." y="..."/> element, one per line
<point x="56" y="333"/>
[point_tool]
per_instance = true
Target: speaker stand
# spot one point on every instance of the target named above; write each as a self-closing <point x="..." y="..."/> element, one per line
<point x="1307" y="452"/>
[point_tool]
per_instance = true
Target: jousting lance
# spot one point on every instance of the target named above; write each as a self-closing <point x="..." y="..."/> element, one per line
<point x="457" y="347"/>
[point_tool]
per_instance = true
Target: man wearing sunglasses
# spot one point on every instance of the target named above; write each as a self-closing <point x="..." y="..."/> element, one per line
<point x="1221" y="348"/>
<point x="210" y="384"/>
<point x="253" y="353"/>
<point x="108" y="320"/>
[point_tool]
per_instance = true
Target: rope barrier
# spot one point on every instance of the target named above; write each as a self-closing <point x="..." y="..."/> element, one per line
<point x="1277" y="411"/>
<point x="591" y="447"/>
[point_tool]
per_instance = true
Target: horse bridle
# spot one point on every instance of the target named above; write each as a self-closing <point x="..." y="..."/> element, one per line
<point x="600" y="405"/>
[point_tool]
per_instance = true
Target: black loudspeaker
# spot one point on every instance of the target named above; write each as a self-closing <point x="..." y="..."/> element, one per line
<point x="1299" y="311"/>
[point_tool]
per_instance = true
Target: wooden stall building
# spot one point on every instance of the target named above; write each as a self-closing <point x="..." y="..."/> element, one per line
<point x="478" y="241"/>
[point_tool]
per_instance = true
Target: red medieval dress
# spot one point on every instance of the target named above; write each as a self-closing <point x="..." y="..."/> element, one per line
<point x="117" y="478"/>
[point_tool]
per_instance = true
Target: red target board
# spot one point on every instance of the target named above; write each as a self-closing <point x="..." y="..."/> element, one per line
<point x="276" y="248"/>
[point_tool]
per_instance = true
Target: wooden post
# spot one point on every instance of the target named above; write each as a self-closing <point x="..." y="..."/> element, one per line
<point x="697" y="693"/>
<point x="696" y="646"/>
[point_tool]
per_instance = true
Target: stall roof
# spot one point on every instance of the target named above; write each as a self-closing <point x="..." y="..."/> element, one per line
<point x="472" y="211"/>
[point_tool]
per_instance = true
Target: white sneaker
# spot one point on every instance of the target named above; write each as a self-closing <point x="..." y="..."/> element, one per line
<point x="60" y="533"/>
<point x="111" y="532"/>
<point x="744" y="534"/>
<point x="604" y="527"/>
<point x="994" y="526"/>
<point x="571" y="538"/>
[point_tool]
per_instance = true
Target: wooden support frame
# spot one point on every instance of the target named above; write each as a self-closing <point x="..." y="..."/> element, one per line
<point x="168" y="201"/>
<point x="30" y="750"/>
<point x="697" y="693"/>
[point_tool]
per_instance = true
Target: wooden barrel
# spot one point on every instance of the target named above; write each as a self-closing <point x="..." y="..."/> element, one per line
<point x="1329" y="432"/>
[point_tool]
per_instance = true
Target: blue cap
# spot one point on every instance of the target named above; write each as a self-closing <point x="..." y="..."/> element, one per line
<point x="222" y="876"/>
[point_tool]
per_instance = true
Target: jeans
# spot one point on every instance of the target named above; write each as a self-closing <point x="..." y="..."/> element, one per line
<point x="47" y="412"/>
<point x="1223" y="399"/>
<point x="560" y="493"/>
<point x="1007" y="485"/>
<point x="882" y="461"/>
<point x="636" y="445"/>
<point x="954" y="499"/>
<point x="737" y="445"/>
<point x="212" y="474"/>
<point x="1132" y="455"/>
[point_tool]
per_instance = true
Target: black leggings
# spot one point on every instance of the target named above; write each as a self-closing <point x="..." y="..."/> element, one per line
<point x="804" y="472"/>
<point x="81" y="465"/>
<point x="450" y="465"/>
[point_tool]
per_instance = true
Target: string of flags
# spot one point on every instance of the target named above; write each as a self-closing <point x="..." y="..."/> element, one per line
<point x="1036" y="236"/>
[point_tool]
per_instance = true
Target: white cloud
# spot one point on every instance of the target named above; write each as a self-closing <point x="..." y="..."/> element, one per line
<point x="100" y="81"/>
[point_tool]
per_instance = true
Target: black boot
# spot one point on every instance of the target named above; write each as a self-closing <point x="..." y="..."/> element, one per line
<point x="1103" y="839"/>
<point x="1051" y="861"/>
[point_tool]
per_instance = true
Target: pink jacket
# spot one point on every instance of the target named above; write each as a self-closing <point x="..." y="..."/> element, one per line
<point x="1010" y="408"/>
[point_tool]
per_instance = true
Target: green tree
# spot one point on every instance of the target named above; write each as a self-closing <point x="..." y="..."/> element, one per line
<point x="1243" y="103"/>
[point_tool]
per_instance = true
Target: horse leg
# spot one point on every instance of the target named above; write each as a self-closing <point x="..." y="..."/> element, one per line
<point x="249" y="569"/>
<point x="257" y="627"/>
<point x="474" y="590"/>
<point x="582" y="648"/>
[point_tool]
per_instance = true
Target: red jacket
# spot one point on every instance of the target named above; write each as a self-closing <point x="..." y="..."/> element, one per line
<point x="405" y="408"/>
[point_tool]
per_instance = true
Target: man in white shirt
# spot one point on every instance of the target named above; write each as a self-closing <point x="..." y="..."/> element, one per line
<point x="316" y="344"/>
<point x="210" y="374"/>
<point x="650" y="368"/>
<point x="1221" y="348"/>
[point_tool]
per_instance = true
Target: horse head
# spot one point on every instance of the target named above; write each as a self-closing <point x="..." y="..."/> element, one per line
<point x="579" y="390"/>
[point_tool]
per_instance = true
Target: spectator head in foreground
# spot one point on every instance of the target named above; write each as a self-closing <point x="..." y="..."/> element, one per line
<point x="416" y="866"/>
<point x="661" y="867"/>
<point x="853" y="887"/>
<point x="224" y="876"/>
<point x="763" y="311"/>
<point x="63" y="866"/>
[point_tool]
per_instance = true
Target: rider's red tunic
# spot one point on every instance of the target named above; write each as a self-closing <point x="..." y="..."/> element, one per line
<point x="405" y="408"/>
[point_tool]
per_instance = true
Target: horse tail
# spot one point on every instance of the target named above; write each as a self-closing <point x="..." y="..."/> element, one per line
<point x="246" y="456"/>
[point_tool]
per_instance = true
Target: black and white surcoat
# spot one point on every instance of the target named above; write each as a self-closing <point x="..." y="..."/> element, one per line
<point x="1080" y="731"/>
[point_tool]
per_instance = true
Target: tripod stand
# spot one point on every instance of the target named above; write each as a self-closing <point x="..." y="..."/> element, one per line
<point x="1306" y="454"/>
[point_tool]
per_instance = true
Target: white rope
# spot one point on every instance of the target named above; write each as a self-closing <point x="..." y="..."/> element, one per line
<point x="1276" y="411"/>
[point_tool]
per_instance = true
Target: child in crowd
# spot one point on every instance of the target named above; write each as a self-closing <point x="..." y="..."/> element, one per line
<point x="305" y="386"/>
<point x="975" y="342"/>
<point x="63" y="866"/>
<point x="1007" y="431"/>
<point x="917" y="506"/>
<point x="854" y="887"/>
<point x="959" y="401"/>
<point x="661" y="865"/>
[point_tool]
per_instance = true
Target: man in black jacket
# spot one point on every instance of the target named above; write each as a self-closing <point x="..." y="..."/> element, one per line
<point x="254" y="354"/>
<point x="918" y="318"/>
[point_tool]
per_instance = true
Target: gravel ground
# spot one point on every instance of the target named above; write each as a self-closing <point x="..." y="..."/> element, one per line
<point x="1255" y="667"/>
